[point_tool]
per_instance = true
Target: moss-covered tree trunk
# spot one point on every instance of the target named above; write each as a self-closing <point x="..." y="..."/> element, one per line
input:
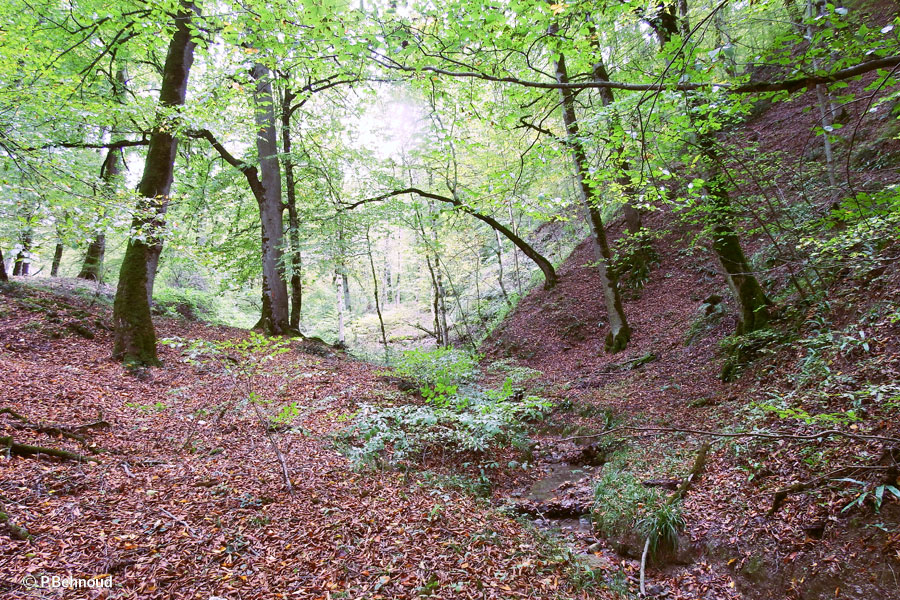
<point x="275" y="318"/>
<point x="93" y="259"/>
<point x="619" y="331"/>
<point x="135" y="338"/>
<point x="752" y="303"/>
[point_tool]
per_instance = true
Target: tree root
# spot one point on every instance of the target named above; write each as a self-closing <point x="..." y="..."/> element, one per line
<point x="26" y="450"/>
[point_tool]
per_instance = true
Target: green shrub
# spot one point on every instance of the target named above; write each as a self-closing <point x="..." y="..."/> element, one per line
<point x="189" y="304"/>
<point x="439" y="372"/>
<point x="476" y="422"/>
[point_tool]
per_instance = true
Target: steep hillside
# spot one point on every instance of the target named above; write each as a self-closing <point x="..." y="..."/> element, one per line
<point x="787" y="513"/>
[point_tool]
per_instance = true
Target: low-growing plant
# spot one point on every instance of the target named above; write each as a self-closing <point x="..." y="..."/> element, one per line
<point x="438" y="372"/>
<point x="474" y="422"/>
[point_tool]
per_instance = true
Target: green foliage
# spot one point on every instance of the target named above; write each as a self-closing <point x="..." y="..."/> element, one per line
<point x="476" y="422"/>
<point x="740" y="350"/>
<point x="439" y="372"/>
<point x="662" y="525"/>
<point x="187" y="303"/>
<point x="876" y="493"/>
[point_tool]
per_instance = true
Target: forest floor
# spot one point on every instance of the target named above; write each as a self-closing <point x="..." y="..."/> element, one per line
<point x="181" y="495"/>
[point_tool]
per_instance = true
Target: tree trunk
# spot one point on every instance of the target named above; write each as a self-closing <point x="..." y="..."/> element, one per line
<point x="93" y="258"/>
<point x="500" y="266"/>
<point x="752" y="302"/>
<point x="619" y="331"/>
<point x="377" y="300"/>
<point x="110" y="174"/>
<point x="640" y="261"/>
<point x="751" y="299"/>
<point x="135" y="338"/>
<point x="3" y="275"/>
<point x="22" y="264"/>
<point x="339" y="281"/>
<point x="293" y="219"/>
<point x="57" y="258"/>
<point x="275" y="319"/>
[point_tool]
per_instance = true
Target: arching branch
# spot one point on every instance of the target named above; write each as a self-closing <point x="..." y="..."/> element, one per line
<point x="550" y="277"/>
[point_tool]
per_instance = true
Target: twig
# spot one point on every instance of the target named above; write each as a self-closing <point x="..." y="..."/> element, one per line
<point x="739" y="434"/>
<point x="284" y="469"/>
<point x="179" y="521"/>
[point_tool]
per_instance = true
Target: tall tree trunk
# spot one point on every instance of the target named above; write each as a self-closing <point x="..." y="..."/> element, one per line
<point x="752" y="302"/>
<point x="135" y="338"/>
<point x="339" y="281"/>
<point x="3" y="275"/>
<point x="275" y="318"/>
<point x="619" y="331"/>
<point x="633" y="218"/>
<point x="293" y="219"/>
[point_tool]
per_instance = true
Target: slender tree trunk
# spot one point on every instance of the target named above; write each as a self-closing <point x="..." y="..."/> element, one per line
<point x="339" y="281"/>
<point x="22" y="264"/>
<point x="500" y="266"/>
<point x="619" y="331"/>
<point x="3" y="276"/>
<point x="57" y="258"/>
<point x="110" y="174"/>
<point x="751" y="299"/>
<point x="377" y="300"/>
<point x="293" y="219"/>
<point x="275" y="318"/>
<point x="135" y="338"/>
<point x="633" y="217"/>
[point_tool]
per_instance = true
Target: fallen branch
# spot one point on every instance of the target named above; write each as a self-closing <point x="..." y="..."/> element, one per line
<point x="16" y="531"/>
<point x="12" y="413"/>
<point x="699" y="465"/>
<point x="766" y="435"/>
<point x="26" y="450"/>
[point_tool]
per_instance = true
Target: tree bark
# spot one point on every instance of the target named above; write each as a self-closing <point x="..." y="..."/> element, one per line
<point x="3" y="275"/>
<point x="752" y="302"/>
<point x="93" y="258"/>
<point x="619" y="331"/>
<point x="377" y="300"/>
<point x="135" y="338"/>
<point x="293" y="219"/>
<point x="275" y="319"/>
<point x="22" y="263"/>
<point x="57" y="258"/>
